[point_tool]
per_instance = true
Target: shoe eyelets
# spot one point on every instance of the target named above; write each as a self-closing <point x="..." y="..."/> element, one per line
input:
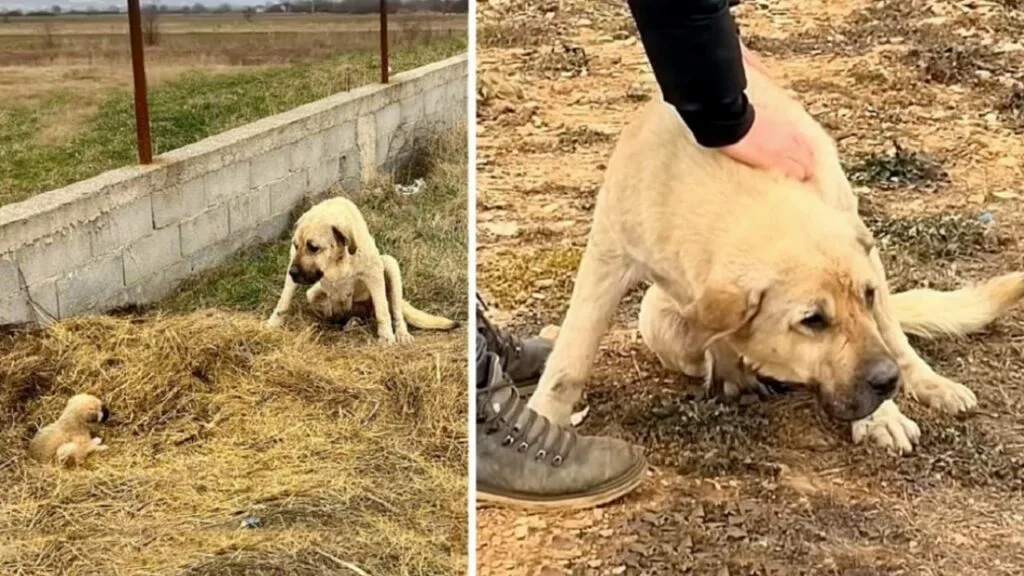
<point x="508" y="441"/>
<point x="522" y="446"/>
<point x="541" y="454"/>
<point x="557" y="460"/>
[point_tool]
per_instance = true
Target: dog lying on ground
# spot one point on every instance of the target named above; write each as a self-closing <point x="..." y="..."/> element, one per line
<point x="68" y="441"/>
<point x="333" y="251"/>
<point x="768" y="280"/>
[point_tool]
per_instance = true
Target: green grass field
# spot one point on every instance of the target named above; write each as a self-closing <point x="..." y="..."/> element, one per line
<point x="184" y="110"/>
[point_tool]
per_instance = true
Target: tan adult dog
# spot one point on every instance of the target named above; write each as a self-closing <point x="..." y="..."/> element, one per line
<point x="332" y="250"/>
<point x="68" y="441"/>
<point x="774" y="279"/>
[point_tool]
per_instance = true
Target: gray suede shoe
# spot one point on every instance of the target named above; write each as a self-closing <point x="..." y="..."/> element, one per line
<point x="527" y="461"/>
<point x="521" y="360"/>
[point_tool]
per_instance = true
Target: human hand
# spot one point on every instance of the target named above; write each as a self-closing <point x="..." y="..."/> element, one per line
<point x="773" y="143"/>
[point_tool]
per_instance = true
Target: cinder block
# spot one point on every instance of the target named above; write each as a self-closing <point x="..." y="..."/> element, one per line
<point x="434" y="100"/>
<point x="324" y="175"/>
<point x="270" y="166"/>
<point x="15" y="309"/>
<point x="387" y="121"/>
<point x="272" y="228"/>
<point x="247" y="210"/>
<point x="205" y="229"/>
<point x="10" y="280"/>
<point x="288" y="192"/>
<point x="152" y="254"/>
<point x="55" y="255"/>
<point x="349" y="171"/>
<point x="228" y="182"/>
<point x="175" y="204"/>
<point x="412" y="109"/>
<point x="43" y="301"/>
<point x="121" y="226"/>
<point x="91" y="286"/>
<point x="366" y="139"/>
<point x="213" y="255"/>
<point x="307" y="151"/>
<point x="338" y="139"/>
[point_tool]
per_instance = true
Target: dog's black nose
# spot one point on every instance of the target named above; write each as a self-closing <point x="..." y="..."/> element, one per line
<point x="295" y="273"/>
<point x="104" y="414"/>
<point x="883" y="376"/>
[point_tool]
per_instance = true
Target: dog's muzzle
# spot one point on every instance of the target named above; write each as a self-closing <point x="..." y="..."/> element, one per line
<point x="299" y="277"/>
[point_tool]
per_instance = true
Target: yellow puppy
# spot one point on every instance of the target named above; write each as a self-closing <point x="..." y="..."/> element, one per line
<point x="68" y="441"/>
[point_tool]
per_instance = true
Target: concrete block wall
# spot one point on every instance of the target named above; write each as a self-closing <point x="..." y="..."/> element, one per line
<point x="130" y="236"/>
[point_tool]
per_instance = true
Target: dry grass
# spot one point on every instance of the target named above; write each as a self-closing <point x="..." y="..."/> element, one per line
<point x="329" y="448"/>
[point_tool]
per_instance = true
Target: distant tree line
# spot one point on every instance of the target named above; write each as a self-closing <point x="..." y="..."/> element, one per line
<point x="303" y="6"/>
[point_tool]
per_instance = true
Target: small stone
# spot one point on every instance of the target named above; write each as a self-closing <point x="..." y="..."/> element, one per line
<point x="522" y="532"/>
<point x="619" y="570"/>
<point x="605" y="533"/>
<point x="252" y="522"/>
<point x="596" y="563"/>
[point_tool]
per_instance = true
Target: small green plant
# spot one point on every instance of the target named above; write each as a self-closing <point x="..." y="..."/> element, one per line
<point x="898" y="167"/>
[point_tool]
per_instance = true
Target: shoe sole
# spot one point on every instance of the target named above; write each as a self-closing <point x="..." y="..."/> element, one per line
<point x="593" y="499"/>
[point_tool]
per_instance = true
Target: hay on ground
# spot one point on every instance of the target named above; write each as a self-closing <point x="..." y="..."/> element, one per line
<point x="331" y="453"/>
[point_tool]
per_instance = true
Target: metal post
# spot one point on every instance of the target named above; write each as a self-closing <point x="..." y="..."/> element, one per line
<point x="383" y="41"/>
<point x="139" y="74"/>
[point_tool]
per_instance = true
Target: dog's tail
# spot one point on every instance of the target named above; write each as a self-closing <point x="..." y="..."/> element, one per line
<point x="420" y="319"/>
<point x="930" y="313"/>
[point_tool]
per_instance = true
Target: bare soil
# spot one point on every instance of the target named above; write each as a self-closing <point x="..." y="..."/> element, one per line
<point x="924" y="98"/>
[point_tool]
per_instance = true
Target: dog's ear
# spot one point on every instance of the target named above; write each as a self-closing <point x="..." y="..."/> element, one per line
<point x="718" y="312"/>
<point x="343" y="241"/>
<point x="864" y="236"/>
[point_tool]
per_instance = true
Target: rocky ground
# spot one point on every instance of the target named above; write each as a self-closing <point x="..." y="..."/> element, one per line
<point x="927" y="103"/>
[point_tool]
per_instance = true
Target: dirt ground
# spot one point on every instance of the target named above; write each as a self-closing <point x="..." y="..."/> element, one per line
<point x="926" y="101"/>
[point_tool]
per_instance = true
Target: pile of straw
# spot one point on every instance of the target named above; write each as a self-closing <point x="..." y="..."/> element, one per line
<point x="236" y="450"/>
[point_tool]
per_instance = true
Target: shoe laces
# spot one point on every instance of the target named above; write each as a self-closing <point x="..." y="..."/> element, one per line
<point x="504" y="418"/>
<point x="506" y="346"/>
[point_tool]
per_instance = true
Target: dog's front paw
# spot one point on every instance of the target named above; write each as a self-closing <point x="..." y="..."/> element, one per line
<point x="387" y="339"/>
<point x="551" y="407"/>
<point x="889" y="428"/>
<point x="940" y="392"/>
<point x="275" y="321"/>
<point x="403" y="337"/>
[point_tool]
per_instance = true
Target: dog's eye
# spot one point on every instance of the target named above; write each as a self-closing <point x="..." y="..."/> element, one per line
<point x="815" y="321"/>
<point x="869" y="297"/>
<point x="312" y="248"/>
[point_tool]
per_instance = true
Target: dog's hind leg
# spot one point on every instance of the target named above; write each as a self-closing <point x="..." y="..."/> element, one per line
<point x="393" y="279"/>
<point x="919" y="379"/>
<point x="604" y="276"/>
<point x="284" y="303"/>
<point x="662" y="328"/>
<point x="377" y="287"/>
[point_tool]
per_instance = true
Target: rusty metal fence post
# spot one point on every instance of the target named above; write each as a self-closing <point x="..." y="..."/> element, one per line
<point x="383" y="41"/>
<point x="139" y="75"/>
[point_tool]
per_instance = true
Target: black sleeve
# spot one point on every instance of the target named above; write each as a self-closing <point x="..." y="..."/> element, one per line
<point x="694" y="49"/>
